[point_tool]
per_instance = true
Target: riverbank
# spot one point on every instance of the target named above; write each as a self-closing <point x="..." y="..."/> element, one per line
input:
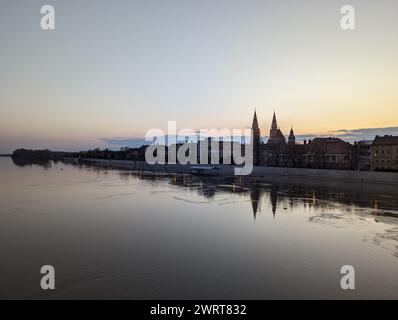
<point x="389" y="178"/>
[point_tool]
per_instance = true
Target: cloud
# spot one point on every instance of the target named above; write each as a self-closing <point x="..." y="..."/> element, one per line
<point x="124" y="142"/>
<point x="352" y="135"/>
<point x="118" y="142"/>
<point x="349" y="135"/>
<point x="365" y="133"/>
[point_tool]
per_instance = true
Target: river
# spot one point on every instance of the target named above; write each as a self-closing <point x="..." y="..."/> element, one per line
<point x="119" y="234"/>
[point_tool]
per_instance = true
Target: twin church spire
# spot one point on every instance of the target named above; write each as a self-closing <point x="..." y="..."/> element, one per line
<point x="275" y="134"/>
<point x="256" y="139"/>
<point x="274" y="125"/>
<point x="255" y="127"/>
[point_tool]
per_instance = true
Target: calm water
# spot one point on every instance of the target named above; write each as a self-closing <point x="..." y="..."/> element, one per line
<point x="119" y="234"/>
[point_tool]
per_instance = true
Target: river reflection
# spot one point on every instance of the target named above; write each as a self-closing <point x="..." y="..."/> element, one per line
<point x="337" y="204"/>
<point x="377" y="200"/>
<point x="124" y="234"/>
<point x="45" y="164"/>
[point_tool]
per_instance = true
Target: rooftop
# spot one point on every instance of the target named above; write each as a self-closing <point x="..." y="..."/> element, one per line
<point x="386" y="140"/>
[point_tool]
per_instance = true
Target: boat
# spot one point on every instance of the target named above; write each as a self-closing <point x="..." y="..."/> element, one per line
<point x="205" y="170"/>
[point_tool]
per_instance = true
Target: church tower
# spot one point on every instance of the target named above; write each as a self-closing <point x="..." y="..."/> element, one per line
<point x="274" y="125"/>
<point x="292" y="139"/>
<point x="275" y="134"/>
<point x="256" y="137"/>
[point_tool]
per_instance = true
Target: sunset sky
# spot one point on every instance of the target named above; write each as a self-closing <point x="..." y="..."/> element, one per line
<point x="114" y="69"/>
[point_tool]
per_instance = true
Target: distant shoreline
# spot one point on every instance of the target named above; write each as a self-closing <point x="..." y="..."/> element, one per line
<point x="5" y="155"/>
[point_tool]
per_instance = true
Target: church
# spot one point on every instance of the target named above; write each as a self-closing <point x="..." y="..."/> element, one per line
<point x="276" y="140"/>
<point x="319" y="153"/>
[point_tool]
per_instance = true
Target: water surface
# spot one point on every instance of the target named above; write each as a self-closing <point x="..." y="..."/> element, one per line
<point x="121" y="234"/>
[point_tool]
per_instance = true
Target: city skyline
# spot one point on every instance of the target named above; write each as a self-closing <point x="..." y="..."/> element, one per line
<point x="115" y="143"/>
<point x="103" y="81"/>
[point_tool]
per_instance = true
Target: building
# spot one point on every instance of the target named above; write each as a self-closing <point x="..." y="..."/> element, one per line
<point x="361" y="155"/>
<point x="327" y="153"/>
<point x="256" y="138"/>
<point x="320" y="153"/>
<point x="274" y="152"/>
<point x="384" y="153"/>
<point x="275" y="134"/>
<point x="292" y="139"/>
